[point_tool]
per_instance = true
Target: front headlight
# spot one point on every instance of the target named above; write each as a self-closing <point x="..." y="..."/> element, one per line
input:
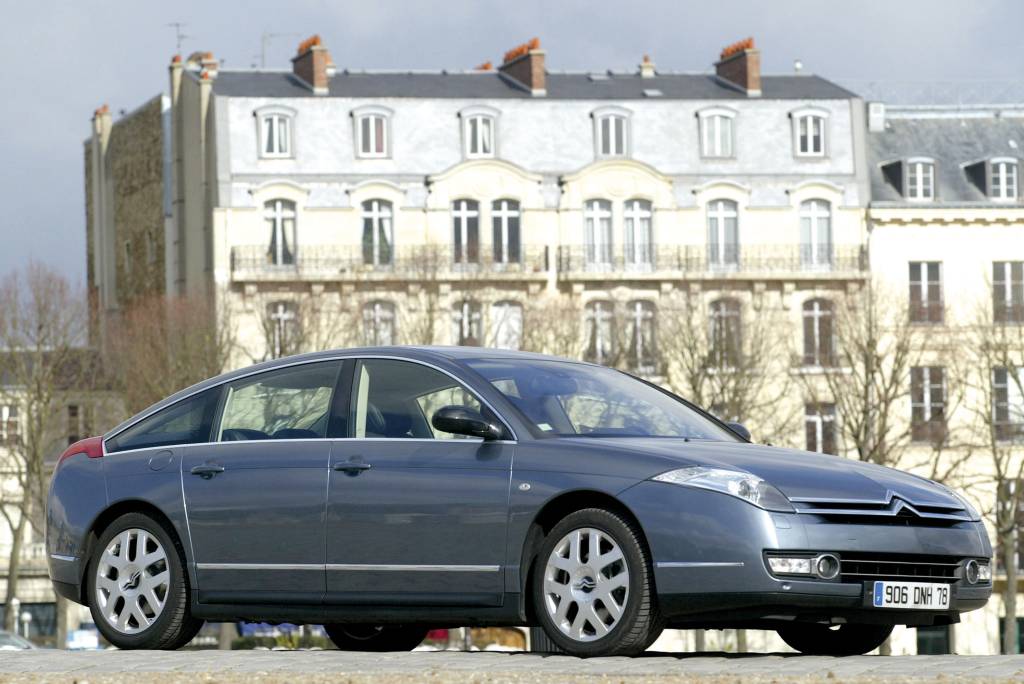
<point x="746" y="486"/>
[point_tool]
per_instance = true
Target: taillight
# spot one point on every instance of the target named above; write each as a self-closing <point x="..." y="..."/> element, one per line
<point x="90" y="446"/>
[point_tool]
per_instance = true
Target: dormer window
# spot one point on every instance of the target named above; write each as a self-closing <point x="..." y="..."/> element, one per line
<point x="810" y="132"/>
<point x="1004" y="180"/>
<point x="479" y="129"/>
<point x="920" y="180"/>
<point x="716" y="132"/>
<point x="998" y="179"/>
<point x="275" y="132"/>
<point x="372" y="132"/>
<point x="611" y="132"/>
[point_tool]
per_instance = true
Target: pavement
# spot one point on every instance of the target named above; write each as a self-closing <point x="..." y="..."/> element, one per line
<point x="425" y="667"/>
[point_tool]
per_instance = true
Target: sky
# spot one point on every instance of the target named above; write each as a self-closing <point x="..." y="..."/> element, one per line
<point x="64" y="59"/>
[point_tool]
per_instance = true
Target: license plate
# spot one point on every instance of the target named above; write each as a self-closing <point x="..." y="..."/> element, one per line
<point x="911" y="595"/>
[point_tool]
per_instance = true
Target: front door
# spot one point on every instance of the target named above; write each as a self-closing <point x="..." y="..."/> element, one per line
<point x="415" y="516"/>
<point x="255" y="497"/>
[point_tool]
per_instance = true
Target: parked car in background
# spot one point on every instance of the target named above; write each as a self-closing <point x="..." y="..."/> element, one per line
<point x="385" y="492"/>
<point x="13" y="642"/>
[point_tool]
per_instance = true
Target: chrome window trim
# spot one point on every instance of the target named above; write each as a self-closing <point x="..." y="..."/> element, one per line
<point x="340" y="357"/>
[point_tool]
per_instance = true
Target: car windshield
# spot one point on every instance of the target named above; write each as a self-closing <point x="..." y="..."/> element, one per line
<point x="566" y="399"/>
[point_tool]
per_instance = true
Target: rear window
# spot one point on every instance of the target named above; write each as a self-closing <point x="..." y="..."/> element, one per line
<point x="187" y="422"/>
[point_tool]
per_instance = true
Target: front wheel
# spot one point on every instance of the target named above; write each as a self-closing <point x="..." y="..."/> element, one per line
<point x="835" y="640"/>
<point x="375" y="638"/>
<point x="593" y="586"/>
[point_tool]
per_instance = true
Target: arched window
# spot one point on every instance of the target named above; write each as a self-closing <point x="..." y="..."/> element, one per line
<point x="643" y="353"/>
<point x="597" y="222"/>
<point x="611" y="133"/>
<point x="466" y="318"/>
<point x="726" y="333"/>
<point x="723" y="234"/>
<point x="372" y="132"/>
<point x="378" y="324"/>
<point x="279" y="215"/>
<point x="600" y="322"/>
<point x="275" y="134"/>
<point x="478" y="130"/>
<point x="507" y="324"/>
<point x="466" y="231"/>
<point x="377" y="232"/>
<point x="819" y="335"/>
<point x="505" y="224"/>
<point x="810" y="132"/>
<point x="639" y="234"/>
<point x="716" y="132"/>
<point x="816" y="234"/>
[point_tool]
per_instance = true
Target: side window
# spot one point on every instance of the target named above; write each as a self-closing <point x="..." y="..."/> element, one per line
<point x="398" y="399"/>
<point x="291" y="403"/>
<point x="186" y="422"/>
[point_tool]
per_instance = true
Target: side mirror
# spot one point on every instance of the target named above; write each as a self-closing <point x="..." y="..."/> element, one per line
<point x="459" y="420"/>
<point x="740" y="430"/>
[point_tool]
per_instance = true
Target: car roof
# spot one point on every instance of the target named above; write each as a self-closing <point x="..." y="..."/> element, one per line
<point x="412" y="352"/>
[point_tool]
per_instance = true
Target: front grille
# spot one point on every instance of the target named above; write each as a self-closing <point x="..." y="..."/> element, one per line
<point x="858" y="567"/>
<point x="893" y="511"/>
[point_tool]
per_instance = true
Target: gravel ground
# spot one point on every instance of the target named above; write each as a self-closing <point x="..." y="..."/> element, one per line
<point x="273" y="667"/>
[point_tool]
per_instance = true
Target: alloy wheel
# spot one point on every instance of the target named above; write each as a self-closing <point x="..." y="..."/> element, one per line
<point x="586" y="584"/>
<point x="132" y="581"/>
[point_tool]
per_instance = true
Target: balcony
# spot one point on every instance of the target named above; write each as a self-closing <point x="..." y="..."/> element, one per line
<point x="333" y="263"/>
<point x="590" y="262"/>
<point x="347" y="263"/>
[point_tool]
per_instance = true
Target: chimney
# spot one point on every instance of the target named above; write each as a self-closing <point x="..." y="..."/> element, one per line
<point x="209" y="65"/>
<point x="525" y="65"/>
<point x="740" y="65"/>
<point x="312" y="65"/>
<point x="647" y="67"/>
<point x="876" y="117"/>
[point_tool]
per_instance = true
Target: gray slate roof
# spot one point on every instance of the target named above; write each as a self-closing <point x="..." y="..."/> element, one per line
<point x="491" y="85"/>
<point x="952" y="143"/>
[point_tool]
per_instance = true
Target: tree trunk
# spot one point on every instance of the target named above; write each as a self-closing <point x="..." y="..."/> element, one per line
<point x="698" y="640"/>
<point x="226" y="636"/>
<point x="13" y="573"/>
<point x="61" y="639"/>
<point x="741" y="641"/>
<point x="1010" y="639"/>
<point x="886" y="647"/>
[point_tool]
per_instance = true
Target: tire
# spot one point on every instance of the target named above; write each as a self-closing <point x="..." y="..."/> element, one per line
<point x="841" y="640"/>
<point x="565" y="574"/>
<point x="375" y="638"/>
<point x="137" y="563"/>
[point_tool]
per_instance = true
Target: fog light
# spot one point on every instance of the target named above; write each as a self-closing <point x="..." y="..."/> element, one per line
<point x="971" y="572"/>
<point x="984" y="572"/>
<point x="791" y="566"/>
<point x="827" y="566"/>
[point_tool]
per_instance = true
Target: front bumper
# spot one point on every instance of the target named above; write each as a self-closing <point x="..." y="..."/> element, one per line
<point x="708" y="552"/>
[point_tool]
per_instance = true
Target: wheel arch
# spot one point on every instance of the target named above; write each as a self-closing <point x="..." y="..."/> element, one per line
<point x="111" y="513"/>
<point x="552" y="512"/>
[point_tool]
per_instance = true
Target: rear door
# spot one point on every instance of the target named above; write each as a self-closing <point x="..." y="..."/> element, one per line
<point x="255" y="497"/>
<point x="415" y="516"/>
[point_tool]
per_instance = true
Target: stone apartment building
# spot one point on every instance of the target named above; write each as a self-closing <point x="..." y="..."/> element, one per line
<point x="623" y="217"/>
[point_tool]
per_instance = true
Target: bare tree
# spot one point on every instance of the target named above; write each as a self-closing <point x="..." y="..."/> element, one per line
<point x="552" y="325"/>
<point x="166" y="344"/>
<point x="997" y="352"/>
<point x="43" y="322"/>
<point x="731" y="360"/>
<point x="869" y="385"/>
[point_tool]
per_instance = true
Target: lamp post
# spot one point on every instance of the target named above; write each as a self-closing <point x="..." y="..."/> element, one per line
<point x="15" y="609"/>
<point x="26" y="619"/>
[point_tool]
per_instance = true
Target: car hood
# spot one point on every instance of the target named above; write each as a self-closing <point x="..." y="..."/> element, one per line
<point x="801" y="475"/>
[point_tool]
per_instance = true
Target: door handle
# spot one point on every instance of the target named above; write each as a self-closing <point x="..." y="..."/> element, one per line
<point x="207" y="470"/>
<point x="352" y="467"/>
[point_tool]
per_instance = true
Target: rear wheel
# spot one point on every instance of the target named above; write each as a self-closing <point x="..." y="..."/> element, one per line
<point x="137" y="587"/>
<point x="375" y="638"/>
<point x="835" y="640"/>
<point x="593" y="586"/>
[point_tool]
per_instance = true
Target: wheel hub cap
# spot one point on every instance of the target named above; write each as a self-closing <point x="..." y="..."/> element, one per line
<point x="586" y="584"/>
<point x="132" y="581"/>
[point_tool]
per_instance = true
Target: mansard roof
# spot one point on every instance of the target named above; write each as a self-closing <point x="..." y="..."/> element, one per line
<point x="492" y="85"/>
